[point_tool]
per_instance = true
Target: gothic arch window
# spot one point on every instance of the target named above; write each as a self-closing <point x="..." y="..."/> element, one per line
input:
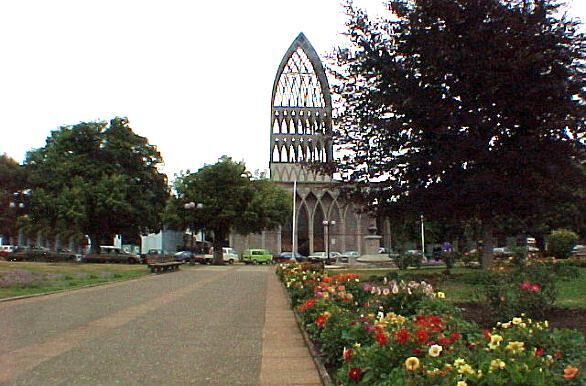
<point x="300" y="99"/>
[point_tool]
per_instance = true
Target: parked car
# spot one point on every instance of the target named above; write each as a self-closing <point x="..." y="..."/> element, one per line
<point x="112" y="254"/>
<point x="579" y="251"/>
<point x="66" y="254"/>
<point x="184" y="256"/>
<point x="321" y="256"/>
<point x="6" y="250"/>
<point x="502" y="252"/>
<point x="257" y="256"/>
<point x="287" y="257"/>
<point x="229" y="254"/>
<point x="30" y="254"/>
<point x="346" y="256"/>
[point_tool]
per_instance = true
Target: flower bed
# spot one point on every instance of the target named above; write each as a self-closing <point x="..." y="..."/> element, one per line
<point x="404" y="333"/>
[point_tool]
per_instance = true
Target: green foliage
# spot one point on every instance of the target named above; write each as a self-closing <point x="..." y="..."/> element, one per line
<point x="445" y="132"/>
<point x="99" y="179"/>
<point x="531" y="291"/>
<point x="405" y="261"/>
<point x="12" y="179"/>
<point x="230" y="201"/>
<point x="561" y="242"/>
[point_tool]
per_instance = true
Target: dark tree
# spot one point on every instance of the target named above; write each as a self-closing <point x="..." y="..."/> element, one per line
<point x="460" y="109"/>
<point x="12" y="197"/>
<point x="230" y="201"/>
<point x="99" y="179"/>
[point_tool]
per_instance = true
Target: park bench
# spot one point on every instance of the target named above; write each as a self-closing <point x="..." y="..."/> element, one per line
<point x="164" y="267"/>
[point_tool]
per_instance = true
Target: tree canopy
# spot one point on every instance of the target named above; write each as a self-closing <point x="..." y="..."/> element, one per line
<point x="460" y="109"/>
<point x="12" y="180"/>
<point x="230" y="201"/>
<point x="101" y="179"/>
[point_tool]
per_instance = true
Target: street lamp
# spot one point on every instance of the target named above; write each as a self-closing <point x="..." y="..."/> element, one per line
<point x="192" y="206"/>
<point x="327" y="227"/>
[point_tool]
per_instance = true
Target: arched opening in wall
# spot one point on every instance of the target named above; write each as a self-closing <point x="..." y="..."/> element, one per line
<point x="287" y="236"/>
<point x="276" y="126"/>
<point x="351" y="222"/>
<point x="284" y="157"/>
<point x="276" y="157"/>
<point x="318" y="229"/>
<point x="292" y="155"/>
<point x="303" y="231"/>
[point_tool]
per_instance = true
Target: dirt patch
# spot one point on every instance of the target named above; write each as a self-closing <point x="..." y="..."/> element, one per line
<point x="557" y="317"/>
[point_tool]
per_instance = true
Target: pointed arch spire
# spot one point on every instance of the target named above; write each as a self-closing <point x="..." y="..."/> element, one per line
<point x="301" y="97"/>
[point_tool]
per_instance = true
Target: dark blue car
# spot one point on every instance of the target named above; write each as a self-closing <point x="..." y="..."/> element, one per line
<point x="183" y="256"/>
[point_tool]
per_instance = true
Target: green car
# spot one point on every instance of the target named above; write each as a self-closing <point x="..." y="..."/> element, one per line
<point x="257" y="256"/>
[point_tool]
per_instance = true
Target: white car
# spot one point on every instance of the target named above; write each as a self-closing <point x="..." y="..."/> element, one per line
<point x="230" y="255"/>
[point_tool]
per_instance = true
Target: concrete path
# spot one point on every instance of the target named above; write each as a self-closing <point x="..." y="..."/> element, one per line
<point x="203" y="325"/>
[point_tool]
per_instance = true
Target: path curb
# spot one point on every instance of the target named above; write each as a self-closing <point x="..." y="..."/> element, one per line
<point x="323" y="373"/>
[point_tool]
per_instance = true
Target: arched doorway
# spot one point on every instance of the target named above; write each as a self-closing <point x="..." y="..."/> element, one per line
<point x="303" y="231"/>
<point x="318" y="229"/>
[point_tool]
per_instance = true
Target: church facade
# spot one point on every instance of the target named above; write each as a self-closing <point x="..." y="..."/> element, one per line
<point x="300" y="132"/>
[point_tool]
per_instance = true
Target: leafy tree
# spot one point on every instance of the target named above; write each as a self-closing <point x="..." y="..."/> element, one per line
<point x="230" y="201"/>
<point x="100" y="179"/>
<point x="11" y="195"/>
<point x="463" y="109"/>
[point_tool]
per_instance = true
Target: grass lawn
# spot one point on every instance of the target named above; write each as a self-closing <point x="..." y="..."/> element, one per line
<point x="25" y="278"/>
<point x="571" y="294"/>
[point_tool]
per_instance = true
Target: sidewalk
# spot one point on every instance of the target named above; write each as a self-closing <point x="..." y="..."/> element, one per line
<point x="286" y="360"/>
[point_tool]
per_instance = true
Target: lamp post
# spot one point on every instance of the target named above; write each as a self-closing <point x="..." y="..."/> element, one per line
<point x="192" y="206"/>
<point x="327" y="227"/>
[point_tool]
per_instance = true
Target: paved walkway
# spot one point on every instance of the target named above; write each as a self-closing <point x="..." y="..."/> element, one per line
<point x="202" y="325"/>
<point x="285" y="357"/>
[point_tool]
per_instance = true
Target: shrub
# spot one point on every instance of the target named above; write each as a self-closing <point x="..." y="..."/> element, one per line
<point x="561" y="242"/>
<point x="509" y="293"/>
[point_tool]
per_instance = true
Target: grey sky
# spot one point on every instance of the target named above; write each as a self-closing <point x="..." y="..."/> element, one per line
<point x="194" y="77"/>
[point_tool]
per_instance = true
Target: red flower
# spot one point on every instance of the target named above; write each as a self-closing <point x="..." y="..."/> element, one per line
<point x="307" y="305"/>
<point x="355" y="374"/>
<point x="444" y="342"/>
<point x="539" y="352"/>
<point x="486" y="334"/>
<point x="382" y="339"/>
<point x="347" y="354"/>
<point x="422" y="336"/>
<point x="525" y="286"/>
<point x="402" y="336"/>
<point x="535" y="288"/>
<point x="456" y="336"/>
<point x="320" y="321"/>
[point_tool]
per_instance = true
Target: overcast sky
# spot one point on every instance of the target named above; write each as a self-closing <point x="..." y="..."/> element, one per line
<point x="194" y="77"/>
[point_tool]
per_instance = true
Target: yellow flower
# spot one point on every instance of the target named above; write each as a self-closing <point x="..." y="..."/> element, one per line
<point x="412" y="363"/>
<point x="497" y="364"/>
<point x="495" y="341"/>
<point x="506" y="325"/>
<point x="441" y="295"/>
<point x="466" y="369"/>
<point x="435" y="350"/>
<point x="517" y="321"/>
<point x="459" y="362"/>
<point x="516" y="347"/>
<point x="461" y="383"/>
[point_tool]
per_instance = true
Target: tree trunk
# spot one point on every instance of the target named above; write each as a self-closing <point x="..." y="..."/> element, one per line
<point x="487" y="244"/>
<point x="218" y="248"/>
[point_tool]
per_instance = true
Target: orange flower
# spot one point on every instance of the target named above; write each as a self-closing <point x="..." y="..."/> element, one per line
<point x="570" y="373"/>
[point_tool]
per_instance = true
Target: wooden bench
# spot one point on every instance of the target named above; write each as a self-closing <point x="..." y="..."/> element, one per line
<point x="164" y="267"/>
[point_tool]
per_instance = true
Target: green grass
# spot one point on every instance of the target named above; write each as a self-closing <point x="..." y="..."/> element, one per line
<point x="64" y="276"/>
<point x="571" y="293"/>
